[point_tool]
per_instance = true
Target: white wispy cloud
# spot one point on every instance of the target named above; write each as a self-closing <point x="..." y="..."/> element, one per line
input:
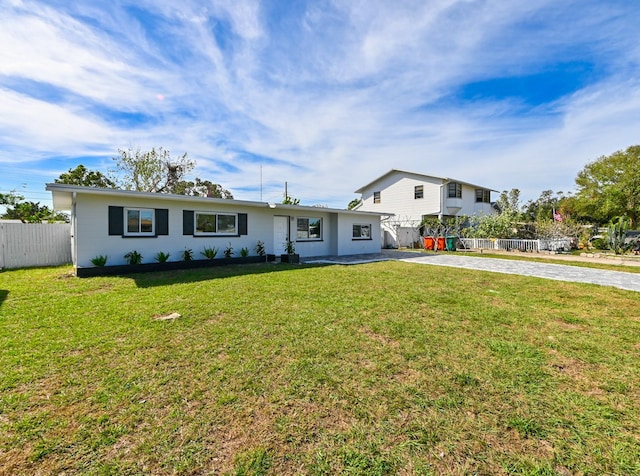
<point x="324" y="95"/>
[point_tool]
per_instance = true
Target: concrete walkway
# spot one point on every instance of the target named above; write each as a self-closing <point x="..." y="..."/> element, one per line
<point x="558" y="272"/>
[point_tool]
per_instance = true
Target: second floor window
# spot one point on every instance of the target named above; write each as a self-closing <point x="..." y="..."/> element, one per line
<point x="418" y="192"/>
<point x="376" y="197"/>
<point x="483" y="196"/>
<point x="455" y="190"/>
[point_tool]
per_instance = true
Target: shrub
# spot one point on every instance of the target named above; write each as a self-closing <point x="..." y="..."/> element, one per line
<point x="99" y="260"/>
<point x="290" y="248"/>
<point x="244" y="252"/>
<point x="133" y="257"/>
<point x="161" y="257"/>
<point x="228" y="251"/>
<point x="260" y="250"/>
<point x="187" y="254"/>
<point x="617" y="234"/>
<point x="209" y="253"/>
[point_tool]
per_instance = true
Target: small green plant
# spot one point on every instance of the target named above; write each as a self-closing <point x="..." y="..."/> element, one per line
<point x="616" y="236"/>
<point x="290" y="248"/>
<point x="260" y="250"/>
<point x="244" y="252"/>
<point x="209" y="253"/>
<point x="228" y="251"/>
<point x="133" y="257"/>
<point x="187" y="254"/>
<point x="162" y="257"/>
<point x="99" y="260"/>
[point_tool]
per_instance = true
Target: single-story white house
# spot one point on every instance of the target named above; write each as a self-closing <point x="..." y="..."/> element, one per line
<point x="115" y="222"/>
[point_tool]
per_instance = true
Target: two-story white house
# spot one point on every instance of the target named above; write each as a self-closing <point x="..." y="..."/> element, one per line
<point x="412" y="196"/>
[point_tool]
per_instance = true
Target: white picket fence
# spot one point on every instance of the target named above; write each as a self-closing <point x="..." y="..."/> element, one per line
<point x="563" y="244"/>
<point x="34" y="244"/>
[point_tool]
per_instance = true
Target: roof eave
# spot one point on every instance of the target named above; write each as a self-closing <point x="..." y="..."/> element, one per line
<point x="62" y="195"/>
<point x="444" y="179"/>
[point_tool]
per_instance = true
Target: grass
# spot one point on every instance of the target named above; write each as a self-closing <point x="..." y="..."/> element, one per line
<point x="383" y="368"/>
<point x="613" y="266"/>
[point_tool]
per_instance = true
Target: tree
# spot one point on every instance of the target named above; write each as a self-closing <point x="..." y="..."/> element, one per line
<point x="509" y="202"/>
<point x="28" y="212"/>
<point x="88" y="178"/>
<point x="11" y="198"/>
<point x="353" y="204"/>
<point x="609" y="187"/>
<point x="434" y="228"/>
<point x="152" y="171"/>
<point x="544" y="206"/>
<point x="289" y="200"/>
<point x="202" y="188"/>
<point x="553" y="230"/>
<point x="503" y="224"/>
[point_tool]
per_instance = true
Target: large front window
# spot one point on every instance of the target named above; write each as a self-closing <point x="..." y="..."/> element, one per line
<point x="139" y="221"/>
<point x="309" y="229"/>
<point x="210" y="223"/>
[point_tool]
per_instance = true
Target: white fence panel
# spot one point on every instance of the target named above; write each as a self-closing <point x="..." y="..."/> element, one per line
<point x="34" y="244"/>
<point x="478" y="243"/>
<point x="562" y="244"/>
<point x="522" y="245"/>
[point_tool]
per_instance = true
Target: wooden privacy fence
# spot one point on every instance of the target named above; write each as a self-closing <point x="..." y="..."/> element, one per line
<point x="38" y="244"/>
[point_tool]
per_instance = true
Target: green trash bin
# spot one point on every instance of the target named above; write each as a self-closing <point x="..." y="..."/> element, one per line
<point x="451" y="243"/>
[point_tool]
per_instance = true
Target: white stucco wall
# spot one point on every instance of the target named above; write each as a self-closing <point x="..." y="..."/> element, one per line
<point x="93" y="239"/>
<point x="347" y="245"/>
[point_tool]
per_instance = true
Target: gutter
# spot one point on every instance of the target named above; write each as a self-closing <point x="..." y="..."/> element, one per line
<point x="74" y="228"/>
<point x="444" y="182"/>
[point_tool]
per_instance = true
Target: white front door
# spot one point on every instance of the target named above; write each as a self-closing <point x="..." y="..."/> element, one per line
<point x="280" y="234"/>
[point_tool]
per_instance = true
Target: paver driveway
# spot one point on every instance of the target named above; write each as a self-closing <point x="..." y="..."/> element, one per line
<point x="559" y="272"/>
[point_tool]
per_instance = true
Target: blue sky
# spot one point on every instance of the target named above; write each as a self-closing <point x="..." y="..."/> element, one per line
<point x="325" y="95"/>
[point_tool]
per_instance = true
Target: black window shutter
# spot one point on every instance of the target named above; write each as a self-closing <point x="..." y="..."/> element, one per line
<point x="162" y="221"/>
<point x="242" y="224"/>
<point x="187" y="222"/>
<point x="116" y="220"/>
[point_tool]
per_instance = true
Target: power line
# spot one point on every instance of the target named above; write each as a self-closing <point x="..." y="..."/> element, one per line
<point x="23" y="190"/>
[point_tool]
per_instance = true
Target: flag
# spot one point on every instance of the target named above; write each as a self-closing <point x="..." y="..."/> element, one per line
<point x="556" y="216"/>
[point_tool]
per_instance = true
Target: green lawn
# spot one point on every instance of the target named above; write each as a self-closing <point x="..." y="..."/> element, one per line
<point x="383" y="368"/>
<point x="612" y="265"/>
